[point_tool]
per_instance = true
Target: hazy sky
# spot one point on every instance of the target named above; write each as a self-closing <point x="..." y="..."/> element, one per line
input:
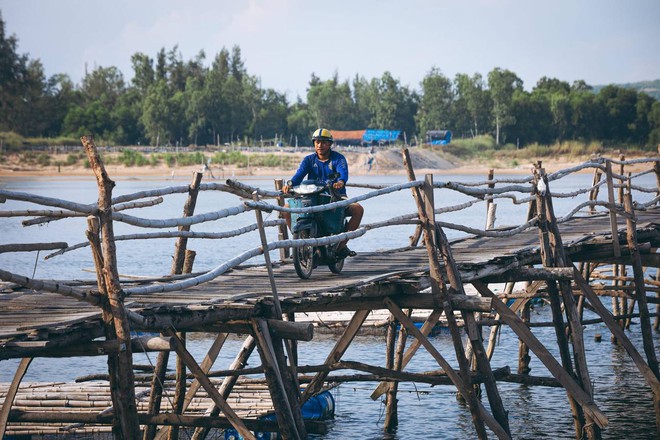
<point x="284" y="41"/>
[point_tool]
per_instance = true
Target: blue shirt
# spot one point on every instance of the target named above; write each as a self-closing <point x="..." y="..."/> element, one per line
<point x="316" y="169"/>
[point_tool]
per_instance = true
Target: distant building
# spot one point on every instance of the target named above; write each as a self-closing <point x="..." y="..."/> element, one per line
<point x="366" y="137"/>
<point x="438" y="137"/>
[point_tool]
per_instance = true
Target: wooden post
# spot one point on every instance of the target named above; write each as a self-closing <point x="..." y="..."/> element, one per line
<point x="286" y="419"/>
<point x="426" y="212"/>
<point x="593" y="194"/>
<point x="552" y="254"/>
<point x="156" y="395"/>
<point x="407" y="164"/>
<point x="490" y="206"/>
<point x="394" y="362"/>
<point x="523" y="349"/>
<point x="290" y="387"/>
<point x="127" y="409"/>
<point x="92" y="233"/>
<point x="188" y="210"/>
<point x="638" y="274"/>
<point x="282" y="230"/>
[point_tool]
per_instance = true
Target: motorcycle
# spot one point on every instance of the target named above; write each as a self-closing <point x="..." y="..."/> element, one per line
<point x="315" y="225"/>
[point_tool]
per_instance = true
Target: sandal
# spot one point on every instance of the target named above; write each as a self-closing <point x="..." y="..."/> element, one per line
<point x="345" y="252"/>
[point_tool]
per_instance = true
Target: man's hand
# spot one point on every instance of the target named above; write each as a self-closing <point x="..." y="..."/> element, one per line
<point x="286" y="189"/>
<point x="338" y="184"/>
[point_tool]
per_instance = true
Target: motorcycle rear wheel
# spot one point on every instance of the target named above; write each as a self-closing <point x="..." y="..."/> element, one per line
<point x="303" y="257"/>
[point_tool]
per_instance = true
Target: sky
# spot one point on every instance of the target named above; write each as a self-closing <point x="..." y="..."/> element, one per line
<point x="284" y="42"/>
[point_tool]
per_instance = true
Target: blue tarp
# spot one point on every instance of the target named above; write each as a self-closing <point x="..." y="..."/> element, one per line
<point x="379" y="136"/>
<point x="438" y="137"/>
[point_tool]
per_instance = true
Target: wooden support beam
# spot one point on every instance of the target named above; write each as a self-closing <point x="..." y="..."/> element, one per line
<point x="542" y="353"/>
<point x="463" y="386"/>
<point x="284" y="406"/>
<point x="11" y="394"/>
<point x="552" y="256"/>
<point x="208" y="422"/>
<point x="30" y="247"/>
<point x="428" y="325"/>
<point x="638" y="275"/>
<point x="228" y="383"/>
<point x="213" y="393"/>
<point x="205" y="366"/>
<point x="337" y="351"/>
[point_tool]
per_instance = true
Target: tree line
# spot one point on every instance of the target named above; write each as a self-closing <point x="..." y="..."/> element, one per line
<point x="172" y="101"/>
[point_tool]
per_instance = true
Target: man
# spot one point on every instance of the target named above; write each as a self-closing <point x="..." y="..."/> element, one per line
<point x="319" y="166"/>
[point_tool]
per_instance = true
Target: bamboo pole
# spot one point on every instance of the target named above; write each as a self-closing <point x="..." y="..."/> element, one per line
<point x="125" y="409"/>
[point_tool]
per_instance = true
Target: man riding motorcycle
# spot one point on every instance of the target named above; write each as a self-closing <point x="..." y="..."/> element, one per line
<point x="319" y="166"/>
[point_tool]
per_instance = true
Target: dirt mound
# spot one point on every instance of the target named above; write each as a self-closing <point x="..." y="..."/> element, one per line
<point x="391" y="161"/>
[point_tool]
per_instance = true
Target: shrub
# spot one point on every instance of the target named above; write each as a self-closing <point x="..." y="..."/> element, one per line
<point x="71" y="159"/>
<point x="43" y="159"/>
<point x="132" y="158"/>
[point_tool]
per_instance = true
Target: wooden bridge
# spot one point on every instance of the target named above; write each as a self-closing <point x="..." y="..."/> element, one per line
<point x="601" y="248"/>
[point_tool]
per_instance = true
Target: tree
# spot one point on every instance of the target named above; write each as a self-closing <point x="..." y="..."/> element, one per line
<point x="435" y="106"/>
<point x="473" y="99"/>
<point x="330" y="103"/>
<point x="502" y="84"/>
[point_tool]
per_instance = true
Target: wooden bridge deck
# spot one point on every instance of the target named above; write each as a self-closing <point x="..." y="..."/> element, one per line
<point x="42" y="319"/>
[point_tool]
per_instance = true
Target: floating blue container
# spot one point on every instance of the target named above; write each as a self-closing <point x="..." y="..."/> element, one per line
<point x="319" y="407"/>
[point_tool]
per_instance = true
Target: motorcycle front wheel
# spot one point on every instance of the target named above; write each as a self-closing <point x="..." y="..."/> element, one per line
<point x="337" y="266"/>
<point x="303" y="257"/>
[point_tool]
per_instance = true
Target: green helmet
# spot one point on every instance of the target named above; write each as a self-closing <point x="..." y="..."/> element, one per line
<point x="322" y="134"/>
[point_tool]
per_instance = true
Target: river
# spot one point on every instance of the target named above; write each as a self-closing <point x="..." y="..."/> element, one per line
<point x="424" y="411"/>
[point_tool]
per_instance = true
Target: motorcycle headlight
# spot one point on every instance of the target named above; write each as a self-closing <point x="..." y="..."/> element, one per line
<point x="307" y="189"/>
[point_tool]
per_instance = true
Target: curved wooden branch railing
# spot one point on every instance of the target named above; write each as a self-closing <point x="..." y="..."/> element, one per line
<point x="518" y="190"/>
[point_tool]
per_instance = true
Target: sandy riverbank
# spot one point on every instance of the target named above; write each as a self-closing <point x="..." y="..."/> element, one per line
<point x="387" y="162"/>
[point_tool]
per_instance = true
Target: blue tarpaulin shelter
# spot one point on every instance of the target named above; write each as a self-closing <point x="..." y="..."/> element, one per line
<point x="380" y="136"/>
<point x="438" y="137"/>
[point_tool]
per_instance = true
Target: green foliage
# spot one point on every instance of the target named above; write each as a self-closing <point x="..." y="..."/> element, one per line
<point x="231" y="158"/>
<point x="43" y="159"/>
<point x="71" y="159"/>
<point x="172" y="101"/>
<point x="469" y="148"/>
<point x="131" y="158"/>
<point x="183" y="159"/>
